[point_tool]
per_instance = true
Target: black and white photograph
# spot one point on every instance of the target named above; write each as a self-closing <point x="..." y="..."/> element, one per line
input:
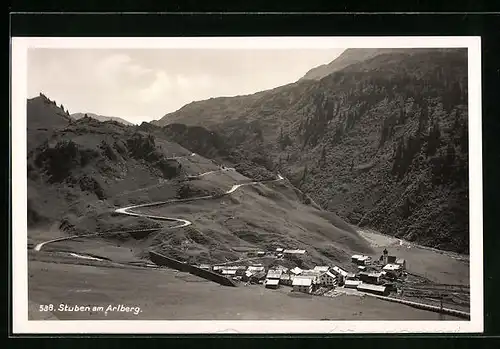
<point x="247" y="185"/>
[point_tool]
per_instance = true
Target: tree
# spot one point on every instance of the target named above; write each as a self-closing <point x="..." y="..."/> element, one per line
<point x="434" y="139"/>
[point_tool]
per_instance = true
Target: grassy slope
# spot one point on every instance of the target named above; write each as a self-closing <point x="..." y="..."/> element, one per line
<point x="82" y="172"/>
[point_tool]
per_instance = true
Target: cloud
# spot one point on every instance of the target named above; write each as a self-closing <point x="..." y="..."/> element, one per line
<point x="158" y="89"/>
<point x="142" y="85"/>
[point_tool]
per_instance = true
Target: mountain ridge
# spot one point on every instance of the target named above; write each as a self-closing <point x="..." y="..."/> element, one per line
<point x="101" y="118"/>
<point x="366" y="128"/>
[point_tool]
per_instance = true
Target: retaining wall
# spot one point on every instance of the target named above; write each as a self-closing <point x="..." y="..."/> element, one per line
<point x="160" y="259"/>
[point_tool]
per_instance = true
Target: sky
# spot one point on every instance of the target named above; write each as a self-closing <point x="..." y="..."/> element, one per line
<point x="145" y="84"/>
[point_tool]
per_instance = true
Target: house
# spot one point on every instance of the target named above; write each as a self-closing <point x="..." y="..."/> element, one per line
<point x="322" y="268"/>
<point x="256" y="269"/>
<point x="258" y="277"/>
<point x="261" y="253"/>
<point x="328" y="279"/>
<point x="282" y="268"/>
<point x="296" y="271"/>
<point x="355" y="258"/>
<point x="229" y="272"/>
<point x="370" y="278"/>
<point x="302" y="284"/>
<point x="361" y="268"/>
<point x="247" y="276"/>
<point x="352" y="283"/>
<point x="240" y="271"/>
<point x="350" y="276"/>
<point x="401" y="262"/>
<point x="375" y="289"/>
<point x="286" y="279"/>
<point x="272" y="283"/>
<point x="364" y="260"/>
<point x="205" y="266"/>
<point x="274" y="274"/>
<point x="392" y="269"/>
<point x="279" y="250"/>
<point x="339" y="271"/>
<point x="294" y="251"/>
<point x="313" y="274"/>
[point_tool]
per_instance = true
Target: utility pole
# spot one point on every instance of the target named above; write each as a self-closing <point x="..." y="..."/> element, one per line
<point x="441" y="314"/>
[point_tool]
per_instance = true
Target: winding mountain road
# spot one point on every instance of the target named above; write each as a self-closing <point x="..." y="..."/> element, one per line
<point x="182" y="222"/>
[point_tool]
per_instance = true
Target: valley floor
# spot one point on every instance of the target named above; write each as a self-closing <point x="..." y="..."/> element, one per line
<point x="164" y="294"/>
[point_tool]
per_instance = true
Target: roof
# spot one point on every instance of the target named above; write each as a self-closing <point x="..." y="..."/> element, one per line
<point x="340" y="271"/>
<point x="296" y="270"/>
<point x="295" y="251"/>
<point x="301" y="281"/>
<point x="363" y="258"/>
<point x="370" y="287"/>
<point x="280" y="267"/>
<point x="259" y="275"/>
<point x="275" y="274"/>
<point x="376" y="275"/>
<point x="352" y="282"/>
<point x="279" y="249"/>
<point x="356" y="256"/>
<point x="321" y="268"/>
<point x="400" y="261"/>
<point x="391" y="267"/>
<point x="272" y="282"/>
<point x="229" y="271"/>
<point x="255" y="268"/>
<point x="310" y="272"/>
<point x="330" y="274"/>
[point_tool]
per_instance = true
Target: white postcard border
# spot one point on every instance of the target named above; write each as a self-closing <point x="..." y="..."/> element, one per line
<point x="21" y="324"/>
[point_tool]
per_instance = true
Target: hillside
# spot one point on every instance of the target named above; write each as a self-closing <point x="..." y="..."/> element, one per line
<point x="102" y="118"/>
<point x="44" y="116"/>
<point x="354" y="56"/>
<point x="81" y="173"/>
<point x="381" y="142"/>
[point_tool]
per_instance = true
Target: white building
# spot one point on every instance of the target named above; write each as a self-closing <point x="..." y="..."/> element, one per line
<point x="272" y="283"/>
<point x="394" y="269"/>
<point x="339" y="271"/>
<point x="322" y="268"/>
<point x="296" y="271"/>
<point x="294" y="251"/>
<point x="256" y="269"/>
<point x="401" y="262"/>
<point x="302" y="284"/>
<point x="274" y="274"/>
<point x="313" y="274"/>
<point x="328" y="279"/>
<point x="352" y="283"/>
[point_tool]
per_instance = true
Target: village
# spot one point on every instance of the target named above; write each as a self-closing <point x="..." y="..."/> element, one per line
<point x="380" y="277"/>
